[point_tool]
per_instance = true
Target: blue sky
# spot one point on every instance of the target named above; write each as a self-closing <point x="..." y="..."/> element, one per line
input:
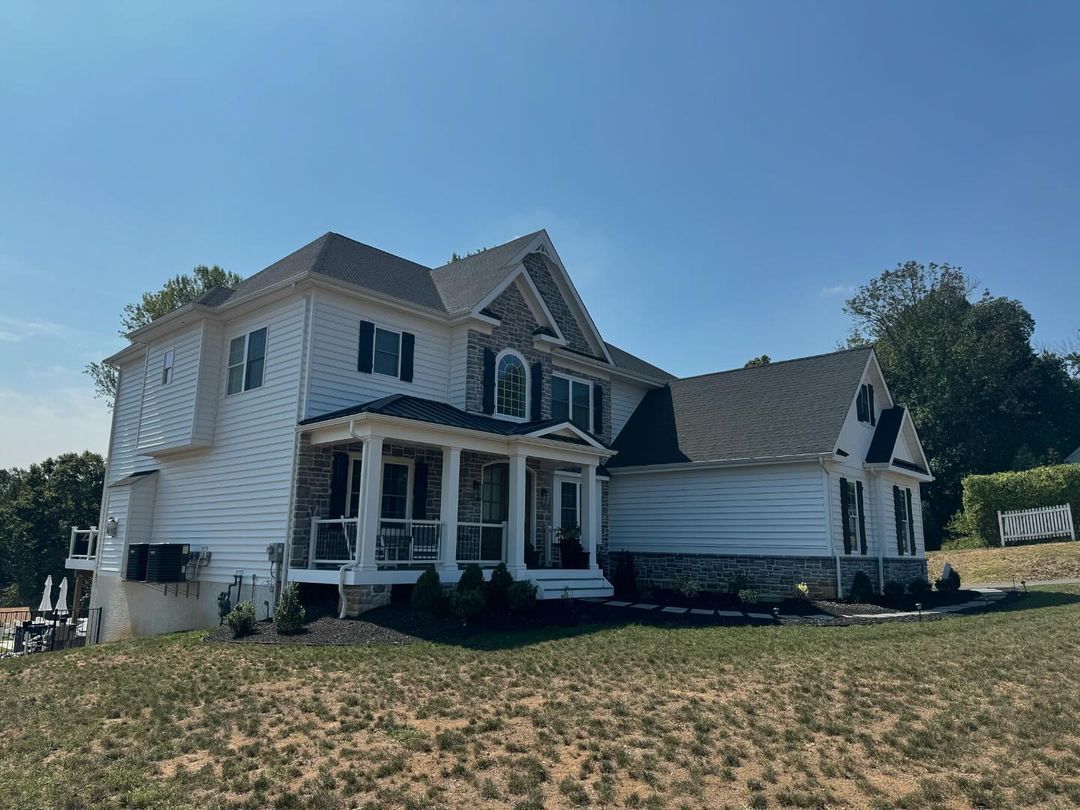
<point x="716" y="176"/>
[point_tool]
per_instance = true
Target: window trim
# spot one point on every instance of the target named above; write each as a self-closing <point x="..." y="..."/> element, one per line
<point x="168" y="365"/>
<point x="355" y="456"/>
<point x="582" y="381"/>
<point x="528" y="383"/>
<point x="375" y="350"/>
<point x="904" y="518"/>
<point x="246" y="335"/>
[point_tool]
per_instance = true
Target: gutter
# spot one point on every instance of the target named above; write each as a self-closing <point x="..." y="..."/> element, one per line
<point x="734" y="462"/>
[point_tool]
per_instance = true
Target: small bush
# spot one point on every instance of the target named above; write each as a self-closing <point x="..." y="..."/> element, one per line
<point x="224" y="607"/>
<point x="918" y="586"/>
<point x="985" y="495"/>
<point x="802" y="591"/>
<point x="472" y="578"/>
<point x="862" y="589"/>
<point x="241" y="620"/>
<point x="498" y="588"/>
<point x="427" y="594"/>
<point x="894" y="591"/>
<point x="950" y="583"/>
<point x="521" y="596"/>
<point x="624" y="574"/>
<point x="468" y="604"/>
<point x="749" y="596"/>
<point x="289" y="614"/>
<point x="739" y="582"/>
<point x="688" y="587"/>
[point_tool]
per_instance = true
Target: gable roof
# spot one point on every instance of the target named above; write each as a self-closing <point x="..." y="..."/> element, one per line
<point x="788" y="408"/>
<point x="635" y="365"/>
<point x="1073" y="457"/>
<point x="465" y="282"/>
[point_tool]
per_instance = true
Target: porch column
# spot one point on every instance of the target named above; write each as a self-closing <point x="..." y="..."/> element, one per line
<point x="370" y="484"/>
<point x="515" y="530"/>
<point x="448" y="514"/>
<point x="590" y="501"/>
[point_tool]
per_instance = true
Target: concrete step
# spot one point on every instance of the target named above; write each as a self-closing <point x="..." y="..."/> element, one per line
<point x="555" y="587"/>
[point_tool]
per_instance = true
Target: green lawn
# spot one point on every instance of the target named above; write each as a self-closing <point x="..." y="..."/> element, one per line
<point x="1032" y="562"/>
<point x="981" y="710"/>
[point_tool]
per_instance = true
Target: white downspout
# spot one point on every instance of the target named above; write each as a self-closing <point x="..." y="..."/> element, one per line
<point x="351" y="565"/>
<point x="879" y="506"/>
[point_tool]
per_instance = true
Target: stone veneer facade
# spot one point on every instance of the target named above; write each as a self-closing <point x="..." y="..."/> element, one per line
<point x="774" y="576"/>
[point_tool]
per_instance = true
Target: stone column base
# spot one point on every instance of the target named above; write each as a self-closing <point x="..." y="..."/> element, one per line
<point x="361" y="598"/>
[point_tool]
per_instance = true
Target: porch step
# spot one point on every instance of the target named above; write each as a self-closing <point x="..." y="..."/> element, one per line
<point x="555" y="585"/>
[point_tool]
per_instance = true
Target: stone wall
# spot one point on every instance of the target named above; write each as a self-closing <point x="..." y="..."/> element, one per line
<point x="359" y="598"/>
<point x="774" y="576"/>
<point x="537" y="267"/>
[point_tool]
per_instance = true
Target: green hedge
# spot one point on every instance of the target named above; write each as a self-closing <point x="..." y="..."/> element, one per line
<point x="985" y="495"/>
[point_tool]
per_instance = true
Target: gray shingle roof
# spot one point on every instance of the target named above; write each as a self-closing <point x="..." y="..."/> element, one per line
<point x="464" y="283"/>
<point x="888" y="428"/>
<point x="1073" y="457"/>
<point x="792" y="407"/>
<point x="635" y="365"/>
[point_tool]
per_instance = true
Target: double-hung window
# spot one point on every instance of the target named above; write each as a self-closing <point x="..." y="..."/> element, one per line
<point x="247" y="358"/>
<point x="167" y="368"/>
<point x="387" y="352"/>
<point x="571" y="400"/>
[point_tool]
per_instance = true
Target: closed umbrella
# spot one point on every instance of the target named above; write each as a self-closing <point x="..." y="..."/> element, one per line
<point x="61" y="600"/>
<point x="46" y="598"/>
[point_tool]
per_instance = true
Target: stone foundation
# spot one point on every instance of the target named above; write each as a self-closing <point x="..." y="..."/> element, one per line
<point x="361" y="598"/>
<point x="774" y="576"/>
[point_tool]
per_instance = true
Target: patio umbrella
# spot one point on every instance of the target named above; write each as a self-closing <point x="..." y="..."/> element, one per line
<point x="61" y="600"/>
<point x="46" y="598"/>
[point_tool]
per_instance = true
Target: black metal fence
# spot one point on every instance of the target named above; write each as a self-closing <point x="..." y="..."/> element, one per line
<point x="24" y="632"/>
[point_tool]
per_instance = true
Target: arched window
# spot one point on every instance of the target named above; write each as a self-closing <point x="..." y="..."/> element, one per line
<point x="511" y="386"/>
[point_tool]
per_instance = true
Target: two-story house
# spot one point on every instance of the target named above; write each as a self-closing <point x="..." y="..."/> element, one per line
<point x="346" y="418"/>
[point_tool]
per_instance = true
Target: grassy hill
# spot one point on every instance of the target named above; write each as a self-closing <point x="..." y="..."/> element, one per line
<point x="1034" y="562"/>
<point x="979" y="710"/>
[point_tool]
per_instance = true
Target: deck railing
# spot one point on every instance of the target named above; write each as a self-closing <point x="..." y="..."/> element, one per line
<point x="83" y="545"/>
<point x="481" y="543"/>
<point x="333" y="541"/>
<point x="1044" y="523"/>
<point x="399" y="542"/>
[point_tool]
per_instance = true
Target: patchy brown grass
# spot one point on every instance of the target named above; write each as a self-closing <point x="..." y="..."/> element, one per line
<point x="1031" y="563"/>
<point x="974" y="711"/>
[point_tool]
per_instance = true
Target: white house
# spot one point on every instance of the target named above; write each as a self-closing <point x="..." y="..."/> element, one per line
<point x="244" y="423"/>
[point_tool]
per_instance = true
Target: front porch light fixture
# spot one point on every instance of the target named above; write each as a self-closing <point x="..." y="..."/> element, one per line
<point x="111" y="526"/>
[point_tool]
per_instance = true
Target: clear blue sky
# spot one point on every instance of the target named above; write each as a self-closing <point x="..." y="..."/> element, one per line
<point x="716" y="176"/>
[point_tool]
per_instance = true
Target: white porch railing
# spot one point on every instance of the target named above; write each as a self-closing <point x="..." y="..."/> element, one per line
<point x="83" y="545"/>
<point x="481" y="543"/>
<point x="1044" y="523"/>
<point x="399" y="542"/>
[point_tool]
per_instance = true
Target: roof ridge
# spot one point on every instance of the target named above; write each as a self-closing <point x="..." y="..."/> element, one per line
<point x="775" y="363"/>
<point x="485" y="250"/>
<point x="369" y="247"/>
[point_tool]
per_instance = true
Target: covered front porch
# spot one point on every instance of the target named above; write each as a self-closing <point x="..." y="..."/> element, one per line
<point x="448" y="496"/>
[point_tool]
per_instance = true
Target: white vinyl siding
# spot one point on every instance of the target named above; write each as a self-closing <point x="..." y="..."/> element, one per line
<point x="334" y="382"/>
<point x="888" y="516"/>
<point x="458" y="384"/>
<point x="168" y="410"/>
<point x="772" y="510"/>
<point x="625" y="397"/>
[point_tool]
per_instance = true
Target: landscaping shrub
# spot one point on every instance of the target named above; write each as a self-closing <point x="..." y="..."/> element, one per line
<point x="894" y="591"/>
<point x="688" y="587"/>
<point x="624" y="574"/>
<point x="950" y="583"/>
<point x="468" y="604"/>
<point x="472" y="578"/>
<point x="862" y="589"/>
<point x="985" y="495"/>
<point x="427" y="594"/>
<point x="521" y="596"/>
<point x="738" y="582"/>
<point x="749" y="596"/>
<point x="289" y="614"/>
<point x="498" y="587"/>
<point x="241" y="619"/>
<point x="802" y="591"/>
<point x="918" y="586"/>
<point x="224" y="607"/>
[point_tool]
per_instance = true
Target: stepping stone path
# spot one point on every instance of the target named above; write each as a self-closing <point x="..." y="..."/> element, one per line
<point x="986" y="596"/>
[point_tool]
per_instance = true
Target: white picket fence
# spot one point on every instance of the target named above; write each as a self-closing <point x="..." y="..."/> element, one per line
<point x="1044" y="523"/>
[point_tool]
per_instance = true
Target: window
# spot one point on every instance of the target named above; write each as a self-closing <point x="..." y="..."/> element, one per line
<point x="511" y="387"/>
<point x="167" y="368"/>
<point x="387" y="352"/>
<point x="864" y="405"/>
<point x="571" y="400"/>
<point x="568" y="505"/>
<point x="247" y="356"/>
<point x="901" y="519"/>
<point x="395" y="492"/>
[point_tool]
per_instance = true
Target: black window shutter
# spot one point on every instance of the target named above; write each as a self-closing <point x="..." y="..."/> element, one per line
<point x="408" y="346"/>
<point x="862" y="516"/>
<point x="844" y="506"/>
<point x="898" y="510"/>
<point x="910" y="522"/>
<point x="367" y="347"/>
<point x="537" y="390"/>
<point x="597" y="408"/>
<point x="870" y="403"/>
<point x="860" y="405"/>
<point x="339" y="482"/>
<point x="489" y="381"/>
<point x="419" y="491"/>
